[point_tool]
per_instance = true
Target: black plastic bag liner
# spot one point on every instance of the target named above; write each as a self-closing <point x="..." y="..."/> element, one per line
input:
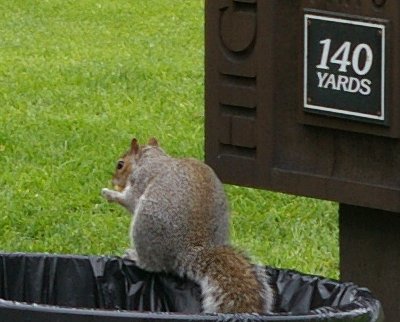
<point x="41" y="287"/>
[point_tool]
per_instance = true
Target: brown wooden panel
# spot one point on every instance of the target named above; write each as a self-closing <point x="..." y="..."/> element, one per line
<point x="233" y="92"/>
<point x="255" y="120"/>
<point x="225" y="129"/>
<point x="231" y="83"/>
<point x="237" y="131"/>
<point x="243" y="132"/>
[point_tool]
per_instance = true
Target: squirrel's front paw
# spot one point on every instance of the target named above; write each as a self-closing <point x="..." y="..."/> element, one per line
<point x="108" y="194"/>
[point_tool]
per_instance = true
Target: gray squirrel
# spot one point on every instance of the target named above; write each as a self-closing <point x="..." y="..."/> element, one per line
<point x="180" y="225"/>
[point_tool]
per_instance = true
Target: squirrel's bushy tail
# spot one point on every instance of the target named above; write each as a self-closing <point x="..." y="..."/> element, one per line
<point x="229" y="283"/>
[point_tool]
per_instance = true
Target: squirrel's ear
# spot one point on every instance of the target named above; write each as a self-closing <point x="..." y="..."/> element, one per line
<point x="153" y="142"/>
<point x="134" y="146"/>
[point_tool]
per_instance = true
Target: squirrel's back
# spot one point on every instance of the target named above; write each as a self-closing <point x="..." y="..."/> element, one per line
<point x="183" y="206"/>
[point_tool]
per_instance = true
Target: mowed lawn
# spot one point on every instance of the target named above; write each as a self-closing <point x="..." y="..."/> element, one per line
<point x="78" y="80"/>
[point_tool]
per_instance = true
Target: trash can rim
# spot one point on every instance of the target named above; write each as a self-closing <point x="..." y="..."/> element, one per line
<point x="316" y="315"/>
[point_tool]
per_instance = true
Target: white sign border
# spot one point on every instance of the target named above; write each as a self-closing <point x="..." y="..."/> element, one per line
<point x="382" y="27"/>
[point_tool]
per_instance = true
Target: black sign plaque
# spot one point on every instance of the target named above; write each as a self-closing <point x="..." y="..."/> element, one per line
<point x="344" y="68"/>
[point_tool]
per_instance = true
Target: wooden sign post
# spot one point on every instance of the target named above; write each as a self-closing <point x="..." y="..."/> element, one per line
<point x="302" y="97"/>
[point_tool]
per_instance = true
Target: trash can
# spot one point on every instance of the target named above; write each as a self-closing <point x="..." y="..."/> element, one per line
<point x="43" y="287"/>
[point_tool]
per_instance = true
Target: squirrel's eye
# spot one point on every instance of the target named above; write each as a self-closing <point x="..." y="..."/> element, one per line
<point x="120" y="165"/>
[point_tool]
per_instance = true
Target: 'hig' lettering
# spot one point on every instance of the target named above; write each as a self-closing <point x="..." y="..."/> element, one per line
<point x="344" y="83"/>
<point x="342" y="59"/>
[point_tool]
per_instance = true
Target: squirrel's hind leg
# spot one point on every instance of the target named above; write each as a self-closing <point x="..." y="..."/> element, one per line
<point x="131" y="254"/>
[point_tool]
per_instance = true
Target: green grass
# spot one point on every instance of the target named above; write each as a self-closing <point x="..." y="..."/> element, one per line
<point x="78" y="79"/>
